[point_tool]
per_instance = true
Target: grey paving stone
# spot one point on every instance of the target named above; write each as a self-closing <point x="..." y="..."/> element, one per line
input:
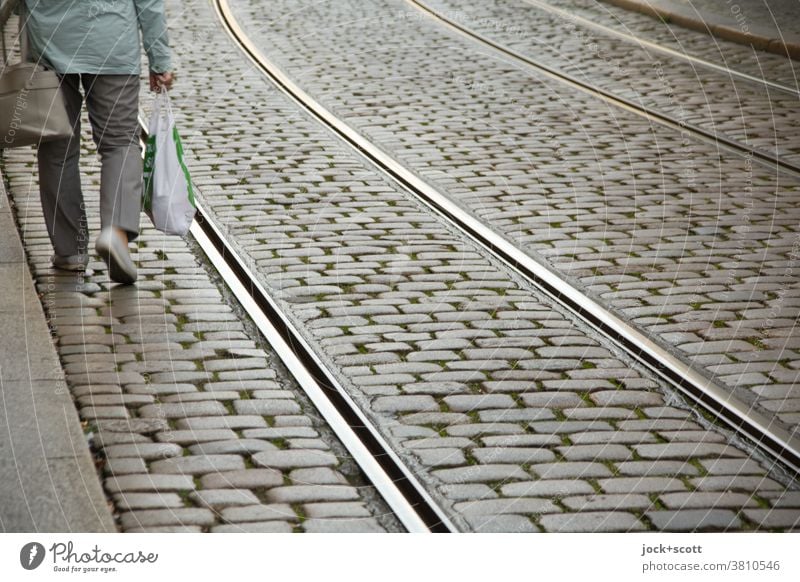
<point x="592" y="522"/>
<point x="255" y="527"/>
<point x="294" y="458"/>
<point x="117" y="438"/>
<point x="445" y="418"/>
<point x="198" y="464"/>
<point x="732" y="467"/>
<point x="209" y="408"/>
<point x="734" y="482"/>
<point x="133" y="501"/>
<point x="780" y="519"/>
<point x="686" y="450"/>
<point x="484" y="428"/>
<point x="280" y="432"/>
<point x="602" y="502"/>
<point x="216" y="498"/>
<point x="333" y="510"/>
<point x="259" y="512"/>
<point x="552" y="400"/>
<point x="349" y="525"/>
<point x="501" y="524"/>
<point x="186" y="437"/>
<point x="415" y="403"/>
<point x="480" y="473"/>
<point x="212" y="422"/>
<point x="569" y="426"/>
<point x="626" y="398"/>
<point x="317" y="476"/>
<point x="466" y="403"/>
<point x="146" y="451"/>
<point x="606" y="452"/>
<point x="656" y="468"/>
<point x="313" y="493"/>
<point x="244" y="479"/>
<point x="694" y="520"/>
<point x="271" y="407"/>
<point x="166" y="517"/>
<point x="573" y="469"/>
<point x="470" y="492"/>
<point x="441" y="457"/>
<point x="167" y="529"/>
<point x="146" y="483"/>
<point x="699" y="500"/>
<point x="521" y="440"/>
<point x="199" y="397"/>
<point x="515" y="415"/>
<point x="232" y="447"/>
<point x="783" y="499"/>
<point x="617" y="438"/>
<point x="519" y="455"/>
<point x="642" y="485"/>
<point x="517" y="505"/>
<point x="124" y="466"/>
<point x="693" y="436"/>
<point x="97" y="412"/>
<point x="239" y="385"/>
<point x="438" y="442"/>
<point x="547" y="488"/>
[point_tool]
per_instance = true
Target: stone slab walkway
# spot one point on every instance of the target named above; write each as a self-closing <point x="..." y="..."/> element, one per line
<point x="49" y="482"/>
<point x="772" y="26"/>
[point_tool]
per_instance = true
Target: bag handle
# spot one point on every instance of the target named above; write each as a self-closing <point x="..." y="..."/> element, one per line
<point x="161" y="104"/>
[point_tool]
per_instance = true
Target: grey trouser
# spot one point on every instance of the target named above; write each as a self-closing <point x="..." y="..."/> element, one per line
<point x="113" y="105"/>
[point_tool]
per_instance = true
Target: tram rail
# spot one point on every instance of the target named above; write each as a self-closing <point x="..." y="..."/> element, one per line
<point x="652" y="114"/>
<point x="659" y="48"/>
<point x="390" y="476"/>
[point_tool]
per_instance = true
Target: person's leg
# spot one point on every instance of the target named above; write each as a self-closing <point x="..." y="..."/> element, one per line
<point x="113" y="105"/>
<point x="60" y="180"/>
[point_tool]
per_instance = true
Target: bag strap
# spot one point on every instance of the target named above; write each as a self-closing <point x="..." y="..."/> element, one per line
<point x="6" y="9"/>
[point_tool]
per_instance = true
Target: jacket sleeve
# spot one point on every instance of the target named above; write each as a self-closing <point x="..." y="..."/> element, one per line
<point x="153" y="24"/>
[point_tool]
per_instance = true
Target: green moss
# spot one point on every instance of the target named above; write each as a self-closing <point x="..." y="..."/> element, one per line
<point x="757" y="343"/>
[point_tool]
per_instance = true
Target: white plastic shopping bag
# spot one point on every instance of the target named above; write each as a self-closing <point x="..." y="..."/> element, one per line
<point x="168" y="195"/>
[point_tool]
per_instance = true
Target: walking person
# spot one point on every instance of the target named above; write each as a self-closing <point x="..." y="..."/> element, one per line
<point x="95" y="45"/>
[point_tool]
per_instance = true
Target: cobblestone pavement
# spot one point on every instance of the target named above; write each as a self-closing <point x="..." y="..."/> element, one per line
<point x="513" y="414"/>
<point x="747" y="112"/>
<point x="195" y="428"/>
<point x="741" y="58"/>
<point x="694" y="245"/>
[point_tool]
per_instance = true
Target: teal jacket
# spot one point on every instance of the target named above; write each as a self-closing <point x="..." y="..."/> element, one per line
<point x="98" y="36"/>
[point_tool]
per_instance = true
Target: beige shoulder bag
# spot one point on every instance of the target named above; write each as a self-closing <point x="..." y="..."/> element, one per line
<point x="31" y="106"/>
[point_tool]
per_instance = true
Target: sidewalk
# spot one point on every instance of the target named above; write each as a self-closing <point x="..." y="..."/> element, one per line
<point x="49" y="481"/>
<point x="773" y="27"/>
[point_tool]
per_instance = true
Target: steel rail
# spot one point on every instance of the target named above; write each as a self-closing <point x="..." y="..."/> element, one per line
<point x="654" y="46"/>
<point x="393" y="480"/>
<point x="760" y="429"/>
<point x="649" y="113"/>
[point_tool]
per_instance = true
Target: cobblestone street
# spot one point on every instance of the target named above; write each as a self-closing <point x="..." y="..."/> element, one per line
<point x="680" y="237"/>
<point x="514" y="414"/>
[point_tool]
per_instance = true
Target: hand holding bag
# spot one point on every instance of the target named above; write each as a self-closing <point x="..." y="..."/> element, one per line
<point x="31" y="105"/>
<point x="168" y="194"/>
